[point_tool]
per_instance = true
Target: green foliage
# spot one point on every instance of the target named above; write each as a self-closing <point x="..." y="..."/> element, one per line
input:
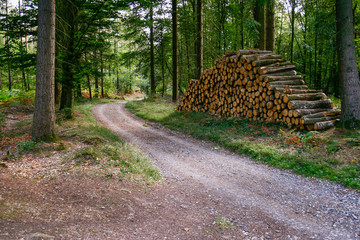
<point x="2" y="119"/>
<point x="332" y="146"/>
<point x="17" y="55"/>
<point x="273" y="144"/>
<point x="28" y="145"/>
<point x="67" y="113"/>
<point x="223" y="223"/>
<point x="109" y="41"/>
<point x="16" y="97"/>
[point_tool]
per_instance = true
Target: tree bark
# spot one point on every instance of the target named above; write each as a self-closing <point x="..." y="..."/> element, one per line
<point x="270" y="25"/>
<point x="96" y="75"/>
<point x="117" y="66"/>
<point x="70" y="59"/>
<point x="280" y="35"/>
<point x="152" y="61"/>
<point x="102" y="75"/>
<point x="89" y="85"/>
<point x="259" y="16"/>
<point x="175" y="94"/>
<point x="199" y="39"/>
<point x="57" y="92"/>
<point x="163" y="66"/>
<point x="8" y="50"/>
<point x="44" y="113"/>
<point x="293" y="5"/>
<point x="348" y="71"/>
<point x="242" y="23"/>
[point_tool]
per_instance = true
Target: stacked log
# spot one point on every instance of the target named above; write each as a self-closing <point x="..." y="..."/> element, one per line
<point x="259" y="85"/>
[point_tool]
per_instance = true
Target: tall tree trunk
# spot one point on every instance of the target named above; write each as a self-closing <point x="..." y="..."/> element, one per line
<point x="117" y="79"/>
<point x="89" y="85"/>
<point x="259" y="16"/>
<point x="293" y="5"/>
<point x="44" y="112"/>
<point x="163" y="66"/>
<point x="187" y="47"/>
<point x="102" y="74"/>
<point x="305" y="41"/>
<point x="96" y="75"/>
<point x="280" y="35"/>
<point x="57" y="92"/>
<point x="221" y="27"/>
<point x="8" y="50"/>
<point x="22" y="49"/>
<point x="348" y="71"/>
<point x="175" y="94"/>
<point x="117" y="67"/>
<point x="69" y="12"/>
<point x="270" y="25"/>
<point x="235" y="22"/>
<point x="9" y="75"/>
<point x="0" y="83"/>
<point x="315" y="58"/>
<point x="242" y="23"/>
<point x="319" y="71"/>
<point x="152" y="61"/>
<point x="223" y="22"/>
<point x="67" y="90"/>
<point x="199" y="39"/>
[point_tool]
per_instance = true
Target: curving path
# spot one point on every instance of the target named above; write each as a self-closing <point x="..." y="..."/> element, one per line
<point x="264" y="202"/>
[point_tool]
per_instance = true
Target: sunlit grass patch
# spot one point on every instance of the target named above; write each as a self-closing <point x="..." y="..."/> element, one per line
<point x="102" y="147"/>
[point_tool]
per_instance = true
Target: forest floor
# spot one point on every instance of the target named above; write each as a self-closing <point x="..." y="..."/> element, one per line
<point x="78" y="187"/>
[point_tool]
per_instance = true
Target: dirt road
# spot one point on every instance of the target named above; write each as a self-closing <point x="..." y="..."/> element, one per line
<point x="261" y="202"/>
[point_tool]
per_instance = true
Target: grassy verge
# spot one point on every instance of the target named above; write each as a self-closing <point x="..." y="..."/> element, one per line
<point x="104" y="148"/>
<point x="332" y="155"/>
<point x="83" y="144"/>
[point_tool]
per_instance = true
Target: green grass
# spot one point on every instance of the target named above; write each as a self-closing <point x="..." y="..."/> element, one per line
<point x="305" y="153"/>
<point x="106" y="148"/>
<point x="23" y="123"/>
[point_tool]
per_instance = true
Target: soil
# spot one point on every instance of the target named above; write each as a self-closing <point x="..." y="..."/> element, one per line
<point x="206" y="193"/>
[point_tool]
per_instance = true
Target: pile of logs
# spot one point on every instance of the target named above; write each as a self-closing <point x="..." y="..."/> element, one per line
<point x="259" y="85"/>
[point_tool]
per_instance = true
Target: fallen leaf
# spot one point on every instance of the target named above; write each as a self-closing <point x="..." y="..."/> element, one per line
<point x="186" y="229"/>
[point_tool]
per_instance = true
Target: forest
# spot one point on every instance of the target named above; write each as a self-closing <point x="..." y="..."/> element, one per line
<point x="179" y="119"/>
<point x="105" y="49"/>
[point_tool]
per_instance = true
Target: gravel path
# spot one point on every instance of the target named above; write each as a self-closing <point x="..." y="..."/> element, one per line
<point x="280" y="204"/>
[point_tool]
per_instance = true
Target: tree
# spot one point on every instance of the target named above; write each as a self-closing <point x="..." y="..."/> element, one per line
<point x="199" y="39"/>
<point x="270" y="25"/>
<point x="44" y="113"/>
<point x="293" y="6"/>
<point x="175" y="94"/>
<point x="348" y="71"/>
<point x="259" y="17"/>
<point x="152" y="61"/>
<point x="17" y="24"/>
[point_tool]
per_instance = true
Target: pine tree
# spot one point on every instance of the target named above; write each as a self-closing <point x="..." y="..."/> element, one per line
<point x="348" y="71"/>
<point x="44" y="113"/>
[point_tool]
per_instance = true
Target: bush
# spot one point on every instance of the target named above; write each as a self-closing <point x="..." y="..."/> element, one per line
<point x="16" y="96"/>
